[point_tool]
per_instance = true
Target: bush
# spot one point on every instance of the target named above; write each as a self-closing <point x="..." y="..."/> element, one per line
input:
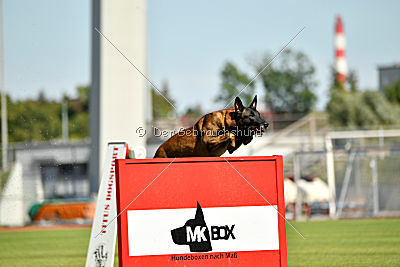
<point x="361" y="109"/>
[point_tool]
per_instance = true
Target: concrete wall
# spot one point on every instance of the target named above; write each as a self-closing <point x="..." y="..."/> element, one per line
<point x="12" y="199"/>
<point x="32" y="156"/>
<point x="118" y="97"/>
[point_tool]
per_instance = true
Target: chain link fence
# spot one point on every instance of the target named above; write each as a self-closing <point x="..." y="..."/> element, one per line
<point x="367" y="182"/>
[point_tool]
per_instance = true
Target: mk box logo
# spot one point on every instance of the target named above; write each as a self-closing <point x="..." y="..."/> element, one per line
<point x="196" y="234"/>
<point x="207" y="229"/>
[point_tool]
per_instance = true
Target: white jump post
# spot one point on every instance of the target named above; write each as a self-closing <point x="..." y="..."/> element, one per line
<point x="104" y="229"/>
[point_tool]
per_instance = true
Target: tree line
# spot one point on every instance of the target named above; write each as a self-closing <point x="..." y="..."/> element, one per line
<point x="40" y="119"/>
<point x="289" y="87"/>
<point x="288" y="84"/>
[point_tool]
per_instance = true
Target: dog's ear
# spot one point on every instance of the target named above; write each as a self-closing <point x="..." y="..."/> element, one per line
<point x="253" y="104"/>
<point x="199" y="213"/>
<point x="238" y="105"/>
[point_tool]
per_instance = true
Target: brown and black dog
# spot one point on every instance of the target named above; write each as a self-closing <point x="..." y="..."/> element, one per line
<point x="215" y="133"/>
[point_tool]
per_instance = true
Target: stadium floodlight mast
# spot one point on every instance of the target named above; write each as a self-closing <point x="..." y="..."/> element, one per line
<point x="4" y="134"/>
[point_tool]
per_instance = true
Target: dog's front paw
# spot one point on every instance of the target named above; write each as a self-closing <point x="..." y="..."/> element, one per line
<point x="232" y="140"/>
<point x="231" y="149"/>
<point x="247" y="140"/>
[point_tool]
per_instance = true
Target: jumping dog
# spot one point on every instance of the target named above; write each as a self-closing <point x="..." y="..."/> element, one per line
<point x="216" y="132"/>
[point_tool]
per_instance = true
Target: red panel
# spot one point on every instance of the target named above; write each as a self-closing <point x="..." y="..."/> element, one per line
<point x="212" y="182"/>
<point x="281" y="210"/>
<point x="244" y="258"/>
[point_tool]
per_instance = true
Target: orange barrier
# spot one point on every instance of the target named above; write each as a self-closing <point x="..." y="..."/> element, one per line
<point x="65" y="211"/>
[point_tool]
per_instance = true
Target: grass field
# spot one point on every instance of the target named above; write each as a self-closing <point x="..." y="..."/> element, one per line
<point x="365" y="242"/>
<point x="369" y="242"/>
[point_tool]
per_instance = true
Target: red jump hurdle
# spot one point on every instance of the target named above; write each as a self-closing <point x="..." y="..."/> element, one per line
<point x="201" y="212"/>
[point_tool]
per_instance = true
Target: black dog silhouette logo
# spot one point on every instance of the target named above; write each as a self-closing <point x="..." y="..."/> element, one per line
<point x="194" y="233"/>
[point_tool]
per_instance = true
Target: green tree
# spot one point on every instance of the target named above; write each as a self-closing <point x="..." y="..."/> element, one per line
<point x="78" y="114"/>
<point x="385" y="112"/>
<point x="40" y="119"/>
<point x="78" y="126"/>
<point x="352" y="80"/>
<point x="356" y="108"/>
<point x="392" y="92"/>
<point x="348" y="109"/>
<point x="31" y="120"/>
<point x="233" y="81"/>
<point x="162" y="109"/>
<point x="289" y="82"/>
<point x="83" y="96"/>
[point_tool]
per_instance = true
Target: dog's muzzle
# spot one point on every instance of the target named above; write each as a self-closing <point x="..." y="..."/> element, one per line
<point x="264" y="126"/>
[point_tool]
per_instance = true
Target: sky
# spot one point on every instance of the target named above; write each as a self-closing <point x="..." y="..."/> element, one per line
<point x="47" y="43"/>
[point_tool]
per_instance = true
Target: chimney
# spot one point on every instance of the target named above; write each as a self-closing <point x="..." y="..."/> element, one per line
<point x="340" y="47"/>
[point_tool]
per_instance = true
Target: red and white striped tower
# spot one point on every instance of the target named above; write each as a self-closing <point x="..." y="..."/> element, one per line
<point x="340" y="46"/>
